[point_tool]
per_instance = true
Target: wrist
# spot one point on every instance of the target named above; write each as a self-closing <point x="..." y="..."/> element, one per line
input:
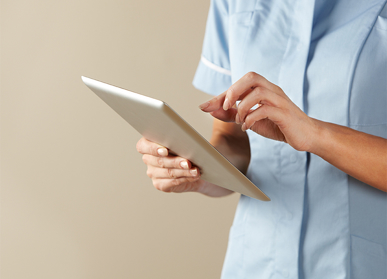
<point x="320" y="137"/>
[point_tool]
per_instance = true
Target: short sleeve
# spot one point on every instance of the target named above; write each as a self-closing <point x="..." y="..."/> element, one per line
<point x="213" y="74"/>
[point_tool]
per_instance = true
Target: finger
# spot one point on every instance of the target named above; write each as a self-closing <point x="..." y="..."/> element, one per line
<point x="265" y="111"/>
<point x="247" y="82"/>
<point x="155" y="172"/>
<point x="213" y="104"/>
<point x="185" y="184"/>
<point x="226" y="116"/>
<point x="145" y="146"/>
<point x="175" y="162"/>
<point x="216" y="103"/>
<point x="258" y="96"/>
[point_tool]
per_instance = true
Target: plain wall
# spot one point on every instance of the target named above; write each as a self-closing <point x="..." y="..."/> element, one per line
<point x="75" y="198"/>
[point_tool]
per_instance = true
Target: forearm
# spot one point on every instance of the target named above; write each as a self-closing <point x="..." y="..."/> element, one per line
<point x="228" y="139"/>
<point x="358" y="154"/>
<point x="234" y="144"/>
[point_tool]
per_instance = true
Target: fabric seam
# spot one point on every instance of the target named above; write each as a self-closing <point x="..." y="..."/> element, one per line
<point x="214" y="67"/>
<point x="349" y="124"/>
<point x="355" y="66"/>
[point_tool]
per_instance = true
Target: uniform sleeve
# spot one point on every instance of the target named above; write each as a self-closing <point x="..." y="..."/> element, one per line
<point x="213" y="74"/>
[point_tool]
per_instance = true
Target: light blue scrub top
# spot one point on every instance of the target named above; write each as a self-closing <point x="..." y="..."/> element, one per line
<point x="330" y="58"/>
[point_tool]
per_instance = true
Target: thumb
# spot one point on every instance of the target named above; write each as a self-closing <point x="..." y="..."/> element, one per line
<point x="225" y="115"/>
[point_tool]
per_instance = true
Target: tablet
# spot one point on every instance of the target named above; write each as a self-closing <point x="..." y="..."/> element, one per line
<point x="158" y="122"/>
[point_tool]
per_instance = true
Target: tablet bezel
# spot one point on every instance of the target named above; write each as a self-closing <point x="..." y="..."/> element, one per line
<point x="158" y="122"/>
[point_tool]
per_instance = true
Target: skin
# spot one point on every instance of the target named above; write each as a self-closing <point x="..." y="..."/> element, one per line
<point x="360" y="155"/>
<point x="171" y="173"/>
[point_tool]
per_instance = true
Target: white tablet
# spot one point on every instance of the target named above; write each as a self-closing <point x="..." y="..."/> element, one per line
<point x="157" y="122"/>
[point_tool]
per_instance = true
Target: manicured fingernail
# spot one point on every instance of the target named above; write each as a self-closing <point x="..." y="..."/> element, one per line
<point x="204" y="106"/>
<point x="184" y="165"/>
<point x="244" y="127"/>
<point x="226" y="104"/>
<point x="194" y="172"/>
<point x="162" y="151"/>
<point x="237" y="120"/>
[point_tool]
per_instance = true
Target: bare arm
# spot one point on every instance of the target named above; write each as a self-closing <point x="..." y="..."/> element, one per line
<point x="234" y="144"/>
<point x="360" y="155"/>
<point x="229" y="140"/>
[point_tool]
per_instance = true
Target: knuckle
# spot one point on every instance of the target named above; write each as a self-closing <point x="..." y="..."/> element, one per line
<point x="250" y="119"/>
<point x="192" y="179"/>
<point x="160" y="162"/>
<point x="175" y="182"/>
<point x="263" y="110"/>
<point x="259" y="91"/>
<point x="170" y="173"/>
<point x="251" y="75"/>
<point x="149" y="173"/>
<point x="157" y="185"/>
<point x="242" y="110"/>
<point x="145" y="159"/>
<point x="217" y="98"/>
<point x="231" y="91"/>
<point x="244" y="105"/>
<point x="277" y="88"/>
<point x="167" y="189"/>
<point x="163" y="187"/>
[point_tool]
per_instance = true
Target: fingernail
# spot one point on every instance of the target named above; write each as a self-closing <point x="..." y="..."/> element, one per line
<point x="194" y="172"/>
<point x="226" y="104"/>
<point x="244" y="127"/>
<point x="237" y="120"/>
<point x="204" y="106"/>
<point x="184" y="165"/>
<point x="162" y="151"/>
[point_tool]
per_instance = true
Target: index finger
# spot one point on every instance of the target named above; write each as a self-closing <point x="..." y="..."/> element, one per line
<point x="246" y="83"/>
<point x="213" y="104"/>
<point x="215" y="107"/>
<point x="145" y="146"/>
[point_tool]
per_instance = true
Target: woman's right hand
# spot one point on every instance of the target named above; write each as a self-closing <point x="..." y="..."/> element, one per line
<point x="169" y="173"/>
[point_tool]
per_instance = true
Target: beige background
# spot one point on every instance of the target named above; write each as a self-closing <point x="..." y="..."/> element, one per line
<point x="75" y="199"/>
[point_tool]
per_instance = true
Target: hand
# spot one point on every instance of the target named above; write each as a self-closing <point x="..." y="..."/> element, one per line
<point x="276" y="117"/>
<point x="173" y="173"/>
<point x="169" y="173"/>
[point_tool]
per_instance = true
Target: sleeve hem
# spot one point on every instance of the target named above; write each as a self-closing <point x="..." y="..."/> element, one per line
<point x="215" y="67"/>
<point x="211" y="79"/>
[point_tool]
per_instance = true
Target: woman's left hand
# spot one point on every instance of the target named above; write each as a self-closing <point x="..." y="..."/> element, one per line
<point x="276" y="117"/>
